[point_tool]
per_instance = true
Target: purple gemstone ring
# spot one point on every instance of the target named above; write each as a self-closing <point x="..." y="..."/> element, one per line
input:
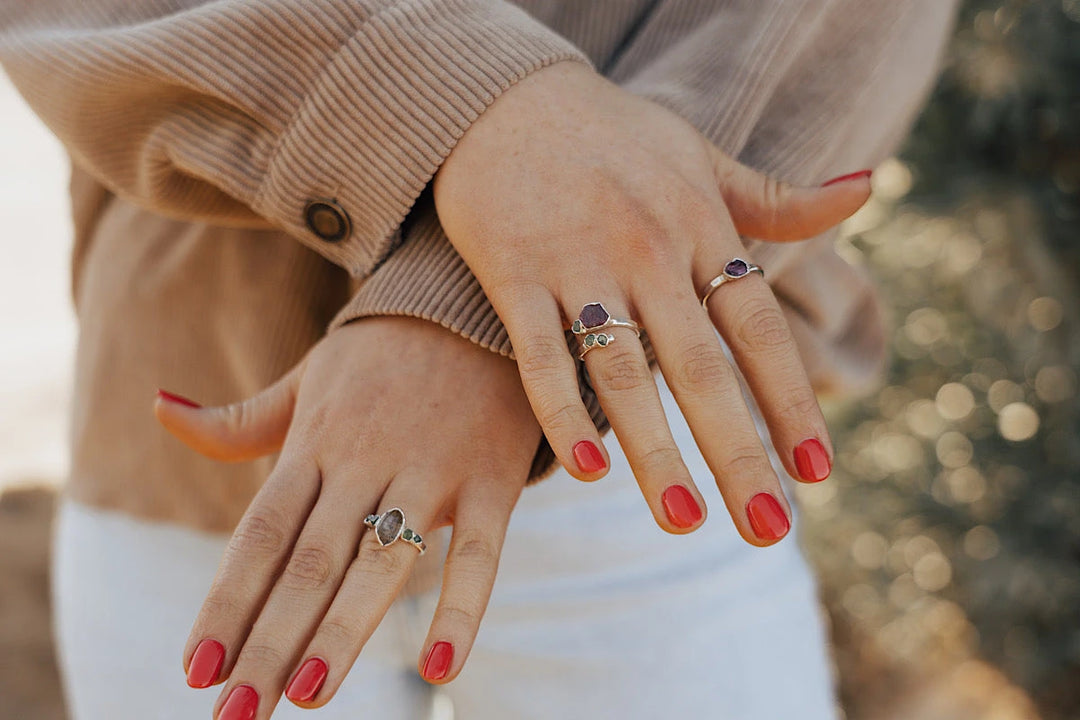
<point x="390" y="527"/>
<point x="590" y="324"/>
<point x="735" y="269"/>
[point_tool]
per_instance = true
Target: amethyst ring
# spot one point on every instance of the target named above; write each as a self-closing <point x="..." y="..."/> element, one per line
<point x="390" y="527"/>
<point x="735" y="269"/>
<point x="591" y="323"/>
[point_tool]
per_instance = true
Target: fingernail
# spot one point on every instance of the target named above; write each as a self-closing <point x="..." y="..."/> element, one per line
<point x="307" y="682"/>
<point x="588" y="457"/>
<point x="767" y="518"/>
<point x="205" y="664"/>
<point x="849" y="176"/>
<point x="681" y="508"/>
<point x="438" y="661"/>
<point x="812" y="461"/>
<point x="242" y="703"/>
<point x="173" y="397"/>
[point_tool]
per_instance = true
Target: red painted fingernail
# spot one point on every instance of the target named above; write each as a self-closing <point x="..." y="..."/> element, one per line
<point x="307" y="682"/>
<point x="588" y="457"/>
<point x="812" y="461"/>
<point x="242" y="703"/>
<point x="173" y="397"/>
<point x="438" y="661"/>
<point x="681" y="508"/>
<point x="849" y="176"/>
<point x="767" y="518"/>
<point x="205" y="664"/>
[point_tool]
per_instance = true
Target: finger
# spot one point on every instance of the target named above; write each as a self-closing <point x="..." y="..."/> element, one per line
<point x="549" y="375"/>
<point x="299" y="599"/>
<point x="257" y="550"/>
<point x="769" y="209"/>
<point x="468" y="577"/>
<point x="234" y="433"/>
<point x="707" y="389"/>
<point x="750" y="319"/>
<point x="620" y="375"/>
<point x="372" y="582"/>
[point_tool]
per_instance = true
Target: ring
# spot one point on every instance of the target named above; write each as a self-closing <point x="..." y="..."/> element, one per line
<point x="737" y="268"/>
<point x="390" y="526"/>
<point x="591" y="321"/>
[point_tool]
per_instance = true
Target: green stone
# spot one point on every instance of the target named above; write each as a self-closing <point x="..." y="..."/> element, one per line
<point x="577" y="327"/>
<point x="590" y="340"/>
<point x="417" y="538"/>
<point x="408" y="534"/>
<point x="603" y="340"/>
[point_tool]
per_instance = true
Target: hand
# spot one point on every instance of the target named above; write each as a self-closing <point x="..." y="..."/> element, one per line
<point x="569" y="190"/>
<point x="382" y="413"/>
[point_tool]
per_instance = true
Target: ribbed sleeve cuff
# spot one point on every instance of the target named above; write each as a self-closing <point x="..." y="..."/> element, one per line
<point x="426" y="278"/>
<point x="388" y="108"/>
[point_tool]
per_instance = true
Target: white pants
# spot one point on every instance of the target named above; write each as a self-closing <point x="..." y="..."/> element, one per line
<point x="596" y="614"/>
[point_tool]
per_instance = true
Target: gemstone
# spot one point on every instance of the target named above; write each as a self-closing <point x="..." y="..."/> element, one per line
<point x="602" y="340"/>
<point x="736" y="268"/>
<point x="577" y="328"/>
<point x="417" y="538"/>
<point x="590" y="340"/>
<point x="407" y="535"/>
<point x="593" y="315"/>
<point x="389" y="526"/>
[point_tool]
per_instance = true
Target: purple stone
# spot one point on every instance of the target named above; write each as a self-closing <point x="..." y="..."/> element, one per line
<point x="736" y="268"/>
<point x="389" y="527"/>
<point x="593" y="315"/>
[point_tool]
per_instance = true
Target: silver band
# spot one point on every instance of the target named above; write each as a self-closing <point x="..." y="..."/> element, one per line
<point x="390" y="527"/>
<point x="590" y="324"/>
<point x="736" y="269"/>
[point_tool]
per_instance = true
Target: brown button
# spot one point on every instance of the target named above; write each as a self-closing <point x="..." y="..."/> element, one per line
<point x="328" y="220"/>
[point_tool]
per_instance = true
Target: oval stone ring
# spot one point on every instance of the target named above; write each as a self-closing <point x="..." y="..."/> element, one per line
<point x="735" y="269"/>
<point x="390" y="527"/>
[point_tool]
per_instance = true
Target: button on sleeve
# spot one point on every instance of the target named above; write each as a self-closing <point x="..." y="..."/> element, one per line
<point x="327" y="220"/>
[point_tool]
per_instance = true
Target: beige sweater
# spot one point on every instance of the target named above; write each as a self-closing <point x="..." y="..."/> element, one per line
<point x="201" y="130"/>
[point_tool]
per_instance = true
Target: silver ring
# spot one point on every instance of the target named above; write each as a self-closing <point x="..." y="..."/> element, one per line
<point x="590" y="324"/>
<point x="735" y="269"/>
<point x="390" y="527"/>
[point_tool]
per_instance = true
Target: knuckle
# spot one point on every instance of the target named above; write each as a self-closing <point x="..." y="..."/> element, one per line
<point x="262" y="655"/>
<point x="222" y="607"/>
<point x="554" y="414"/>
<point x="747" y="461"/>
<point x="660" y="460"/>
<point x="259" y="533"/>
<point x="309" y="568"/>
<point x="338" y="632"/>
<point x="703" y="367"/>
<point x="459" y="615"/>
<point x="764" y="328"/>
<point x="802" y="406"/>
<point x="383" y="561"/>
<point x="621" y="373"/>
<point x="541" y="355"/>
<point x="475" y="548"/>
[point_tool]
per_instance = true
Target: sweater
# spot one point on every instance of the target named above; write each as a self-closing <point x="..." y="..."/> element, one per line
<point x="248" y="175"/>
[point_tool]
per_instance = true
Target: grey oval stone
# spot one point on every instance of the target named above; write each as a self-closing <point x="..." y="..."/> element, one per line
<point x="389" y="526"/>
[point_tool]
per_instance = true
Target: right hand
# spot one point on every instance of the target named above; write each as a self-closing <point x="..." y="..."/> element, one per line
<point x="569" y="190"/>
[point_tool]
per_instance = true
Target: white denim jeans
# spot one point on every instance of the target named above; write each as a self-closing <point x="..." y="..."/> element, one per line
<point x="596" y="614"/>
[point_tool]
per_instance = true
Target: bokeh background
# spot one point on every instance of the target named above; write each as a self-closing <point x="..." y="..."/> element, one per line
<point x="948" y="540"/>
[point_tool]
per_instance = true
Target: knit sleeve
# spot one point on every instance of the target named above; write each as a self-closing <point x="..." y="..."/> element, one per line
<point x="323" y="118"/>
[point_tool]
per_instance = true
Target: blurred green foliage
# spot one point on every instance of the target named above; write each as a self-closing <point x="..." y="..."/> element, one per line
<point x="950" y="538"/>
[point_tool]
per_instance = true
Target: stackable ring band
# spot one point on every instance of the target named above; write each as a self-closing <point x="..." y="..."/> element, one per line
<point x="390" y="527"/>
<point x="591" y="323"/>
<point x="735" y="269"/>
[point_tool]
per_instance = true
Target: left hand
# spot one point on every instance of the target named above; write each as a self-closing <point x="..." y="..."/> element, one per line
<point x="385" y="412"/>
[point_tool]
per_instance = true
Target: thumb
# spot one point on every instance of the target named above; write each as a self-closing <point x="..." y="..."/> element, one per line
<point x="241" y="431"/>
<point x="765" y="208"/>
